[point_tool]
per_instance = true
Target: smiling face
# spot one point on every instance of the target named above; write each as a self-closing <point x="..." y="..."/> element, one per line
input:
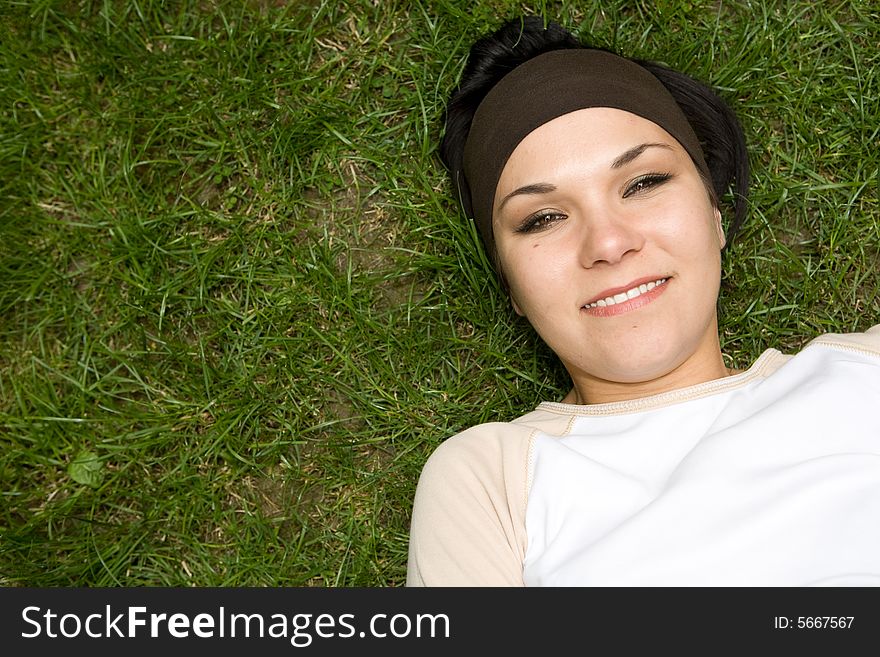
<point x="610" y="245"/>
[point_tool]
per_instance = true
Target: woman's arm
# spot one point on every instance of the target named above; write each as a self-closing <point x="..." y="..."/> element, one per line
<point x="468" y="523"/>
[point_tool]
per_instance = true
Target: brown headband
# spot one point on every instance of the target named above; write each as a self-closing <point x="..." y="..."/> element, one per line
<point x="544" y="88"/>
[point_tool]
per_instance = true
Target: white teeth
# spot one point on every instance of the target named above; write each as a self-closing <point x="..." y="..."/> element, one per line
<point x="625" y="296"/>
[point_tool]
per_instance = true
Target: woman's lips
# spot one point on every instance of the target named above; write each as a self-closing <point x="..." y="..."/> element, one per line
<point x="635" y="295"/>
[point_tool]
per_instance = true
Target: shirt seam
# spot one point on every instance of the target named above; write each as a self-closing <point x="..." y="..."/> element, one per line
<point x="756" y="371"/>
<point x="844" y="346"/>
<point x="530" y="469"/>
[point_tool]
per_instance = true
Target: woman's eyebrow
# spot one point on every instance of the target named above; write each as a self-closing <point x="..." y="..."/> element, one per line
<point x="628" y="156"/>
<point x="620" y="161"/>
<point x="535" y="188"/>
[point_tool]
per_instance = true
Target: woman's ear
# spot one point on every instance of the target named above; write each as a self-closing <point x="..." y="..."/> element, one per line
<point x="516" y="307"/>
<point x="719" y="229"/>
<point x="505" y="286"/>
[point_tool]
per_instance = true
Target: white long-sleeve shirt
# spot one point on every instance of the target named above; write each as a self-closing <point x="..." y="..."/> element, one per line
<point x="770" y="477"/>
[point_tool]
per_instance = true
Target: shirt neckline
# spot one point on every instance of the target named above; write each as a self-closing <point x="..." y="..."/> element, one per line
<point x="764" y="365"/>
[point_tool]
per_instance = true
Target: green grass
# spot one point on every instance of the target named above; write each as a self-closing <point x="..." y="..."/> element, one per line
<point x="238" y="308"/>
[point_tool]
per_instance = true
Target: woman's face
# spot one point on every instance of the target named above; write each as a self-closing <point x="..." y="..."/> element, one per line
<point x="611" y="247"/>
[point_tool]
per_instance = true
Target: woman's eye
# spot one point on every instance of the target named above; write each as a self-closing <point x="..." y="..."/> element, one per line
<point x="646" y="182"/>
<point x="539" y="221"/>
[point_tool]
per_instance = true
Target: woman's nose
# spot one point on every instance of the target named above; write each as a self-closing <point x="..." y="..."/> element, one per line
<point x="607" y="239"/>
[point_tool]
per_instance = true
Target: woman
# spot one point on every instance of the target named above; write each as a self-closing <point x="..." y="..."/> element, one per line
<point x="594" y="181"/>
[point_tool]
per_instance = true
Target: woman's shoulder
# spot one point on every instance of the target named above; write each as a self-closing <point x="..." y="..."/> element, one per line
<point x="481" y="445"/>
<point x="869" y="341"/>
<point x="493" y="439"/>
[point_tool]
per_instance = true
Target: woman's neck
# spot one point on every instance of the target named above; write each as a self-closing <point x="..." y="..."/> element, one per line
<point x="700" y="368"/>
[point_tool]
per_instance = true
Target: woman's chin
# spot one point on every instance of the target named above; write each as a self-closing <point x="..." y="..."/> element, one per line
<point x="638" y="371"/>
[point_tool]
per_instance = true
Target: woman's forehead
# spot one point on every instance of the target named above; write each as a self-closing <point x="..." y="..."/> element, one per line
<point x="595" y="124"/>
<point x="601" y="136"/>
